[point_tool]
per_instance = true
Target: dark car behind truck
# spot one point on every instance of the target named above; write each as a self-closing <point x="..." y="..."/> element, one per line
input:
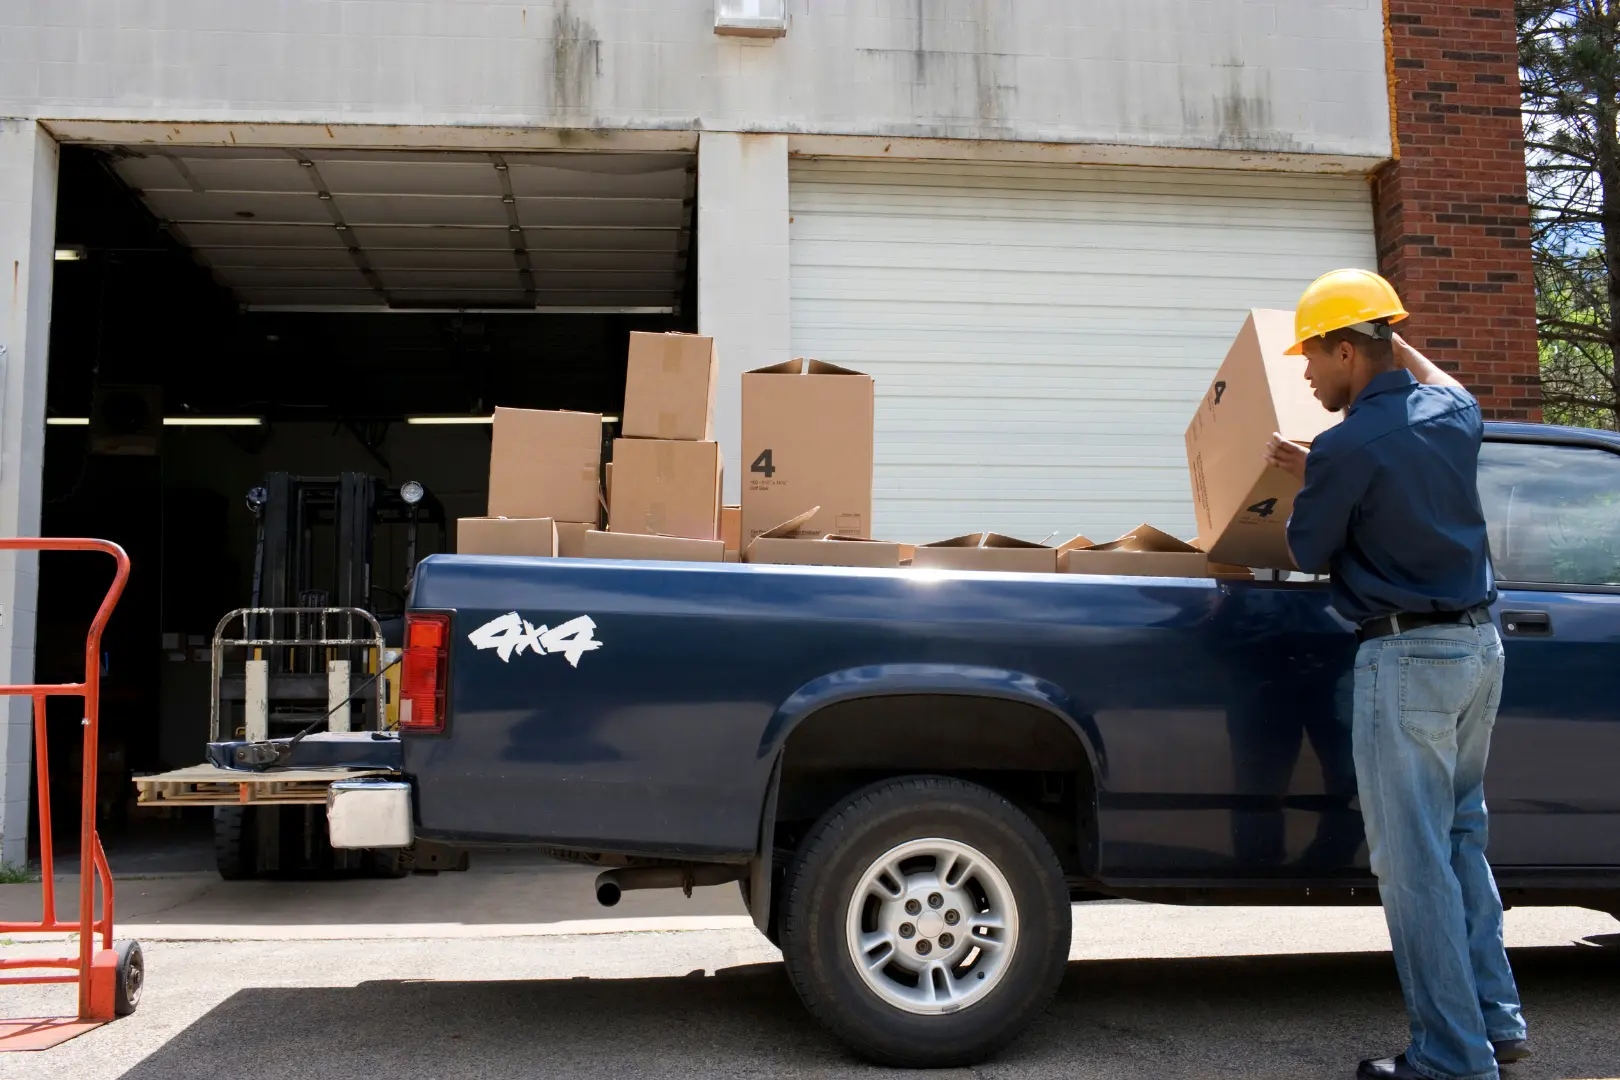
<point x="913" y="774"/>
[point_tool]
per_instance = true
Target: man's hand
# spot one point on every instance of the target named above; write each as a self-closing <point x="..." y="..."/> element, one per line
<point x="1422" y="368"/>
<point x="1287" y="456"/>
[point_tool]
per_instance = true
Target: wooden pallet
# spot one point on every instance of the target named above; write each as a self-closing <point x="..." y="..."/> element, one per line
<point x="208" y="785"/>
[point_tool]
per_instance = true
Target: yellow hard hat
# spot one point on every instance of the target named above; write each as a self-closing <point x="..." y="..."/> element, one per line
<point x="1341" y="299"/>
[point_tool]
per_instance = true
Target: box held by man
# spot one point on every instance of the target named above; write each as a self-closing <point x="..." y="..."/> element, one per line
<point x="1242" y="503"/>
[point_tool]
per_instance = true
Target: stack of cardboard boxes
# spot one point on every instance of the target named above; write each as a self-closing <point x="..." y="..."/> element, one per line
<point x="664" y="489"/>
<point x="807" y="479"/>
<point x="543" y="469"/>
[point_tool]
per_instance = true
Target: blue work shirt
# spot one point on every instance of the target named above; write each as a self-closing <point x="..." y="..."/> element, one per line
<point x="1391" y="503"/>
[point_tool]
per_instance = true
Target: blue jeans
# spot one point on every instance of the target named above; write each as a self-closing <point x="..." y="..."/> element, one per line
<point x="1425" y="703"/>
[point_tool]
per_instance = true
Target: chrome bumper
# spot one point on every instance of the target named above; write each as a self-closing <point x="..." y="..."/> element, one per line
<point x="368" y="813"/>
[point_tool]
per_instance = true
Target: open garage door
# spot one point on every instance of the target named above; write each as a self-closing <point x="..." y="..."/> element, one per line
<point x="1040" y="335"/>
<point x="288" y="229"/>
<point x="328" y="323"/>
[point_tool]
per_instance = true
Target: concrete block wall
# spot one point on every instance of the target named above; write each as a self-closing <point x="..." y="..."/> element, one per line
<point x="1295" y="76"/>
<point x="1453" y="223"/>
<point x="742" y="270"/>
<point x="28" y="163"/>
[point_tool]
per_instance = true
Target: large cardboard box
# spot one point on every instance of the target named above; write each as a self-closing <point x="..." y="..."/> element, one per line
<point x="1145" y="552"/>
<point x="613" y="545"/>
<point x="731" y="527"/>
<point x="987" y="551"/>
<point x="571" y="538"/>
<point x="1241" y="502"/>
<point x="506" y="536"/>
<point x="783" y="546"/>
<point x="806" y="441"/>
<point x="666" y="487"/>
<point x="545" y="464"/>
<point x="669" y="387"/>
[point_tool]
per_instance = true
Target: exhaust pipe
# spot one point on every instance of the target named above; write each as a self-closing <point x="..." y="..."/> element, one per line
<point x="611" y="884"/>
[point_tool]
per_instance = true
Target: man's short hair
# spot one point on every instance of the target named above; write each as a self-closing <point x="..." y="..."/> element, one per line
<point x="1378" y="350"/>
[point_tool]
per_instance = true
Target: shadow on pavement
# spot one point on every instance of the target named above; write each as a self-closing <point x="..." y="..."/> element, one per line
<point x="1301" y="1016"/>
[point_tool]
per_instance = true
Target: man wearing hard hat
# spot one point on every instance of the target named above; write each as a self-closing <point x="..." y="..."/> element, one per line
<point x="1390" y="505"/>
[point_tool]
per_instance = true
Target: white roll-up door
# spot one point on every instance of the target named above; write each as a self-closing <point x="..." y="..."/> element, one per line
<point x="1041" y="334"/>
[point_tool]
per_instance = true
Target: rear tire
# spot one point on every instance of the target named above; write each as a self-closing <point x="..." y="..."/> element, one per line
<point x="934" y="880"/>
<point x="236" y="848"/>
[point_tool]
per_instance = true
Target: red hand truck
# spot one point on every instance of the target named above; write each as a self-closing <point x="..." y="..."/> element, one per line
<point x="109" y="977"/>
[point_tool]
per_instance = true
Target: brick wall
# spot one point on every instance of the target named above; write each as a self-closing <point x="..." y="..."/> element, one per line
<point x="1453" y="225"/>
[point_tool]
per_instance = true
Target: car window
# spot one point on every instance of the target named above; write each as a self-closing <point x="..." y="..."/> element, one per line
<point x="1553" y="512"/>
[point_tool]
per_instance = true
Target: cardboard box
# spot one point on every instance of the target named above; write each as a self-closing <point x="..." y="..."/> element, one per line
<point x="614" y="545"/>
<point x="1241" y="502"/>
<point x="545" y="464"/>
<point x="669" y="387"/>
<point x="784" y="547"/>
<point x="987" y="551"/>
<point x="831" y="550"/>
<point x="506" y="536"/>
<point x="731" y="527"/>
<point x="666" y="487"/>
<point x="1145" y="552"/>
<point x="571" y="538"/>
<point x="806" y="441"/>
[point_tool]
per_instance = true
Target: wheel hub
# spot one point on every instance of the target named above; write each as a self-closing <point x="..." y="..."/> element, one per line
<point x="932" y="926"/>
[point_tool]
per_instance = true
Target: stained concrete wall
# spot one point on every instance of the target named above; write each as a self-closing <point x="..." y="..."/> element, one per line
<point x="742" y="270"/>
<point x="27" y="228"/>
<point x="1302" y="76"/>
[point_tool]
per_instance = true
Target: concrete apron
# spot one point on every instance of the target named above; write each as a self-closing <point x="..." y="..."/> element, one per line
<point x="559" y="900"/>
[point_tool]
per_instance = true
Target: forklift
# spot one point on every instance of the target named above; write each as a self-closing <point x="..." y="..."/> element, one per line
<point x="317" y="647"/>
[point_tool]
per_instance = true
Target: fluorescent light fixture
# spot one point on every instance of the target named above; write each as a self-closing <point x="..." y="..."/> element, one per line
<point x="71" y="253"/>
<point x="474" y="419"/>
<point x="213" y="421"/>
<point x="169" y="421"/>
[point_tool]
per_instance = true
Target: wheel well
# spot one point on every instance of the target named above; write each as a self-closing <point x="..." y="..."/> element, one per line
<point x="1024" y="753"/>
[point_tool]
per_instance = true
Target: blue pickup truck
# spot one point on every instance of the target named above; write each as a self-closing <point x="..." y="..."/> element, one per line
<point x="912" y="774"/>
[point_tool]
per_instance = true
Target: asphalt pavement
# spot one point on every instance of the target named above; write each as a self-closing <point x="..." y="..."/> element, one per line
<point x="467" y="992"/>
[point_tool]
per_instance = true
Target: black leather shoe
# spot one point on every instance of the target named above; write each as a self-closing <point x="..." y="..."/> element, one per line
<point x="1510" y="1050"/>
<point x="1394" y="1068"/>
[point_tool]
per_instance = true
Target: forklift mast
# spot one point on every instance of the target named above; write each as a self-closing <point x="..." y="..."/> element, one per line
<point x="311" y="648"/>
<point x="288" y="567"/>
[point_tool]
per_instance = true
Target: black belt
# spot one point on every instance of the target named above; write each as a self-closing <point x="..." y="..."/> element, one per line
<point x="1401" y="622"/>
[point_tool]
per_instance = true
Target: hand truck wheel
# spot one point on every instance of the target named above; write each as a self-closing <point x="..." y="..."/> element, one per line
<point x="131" y="977"/>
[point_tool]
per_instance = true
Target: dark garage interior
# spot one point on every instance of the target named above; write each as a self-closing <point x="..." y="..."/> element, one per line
<point x="222" y="314"/>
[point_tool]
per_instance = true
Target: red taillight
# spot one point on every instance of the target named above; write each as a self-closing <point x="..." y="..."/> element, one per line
<point x="422" y="677"/>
